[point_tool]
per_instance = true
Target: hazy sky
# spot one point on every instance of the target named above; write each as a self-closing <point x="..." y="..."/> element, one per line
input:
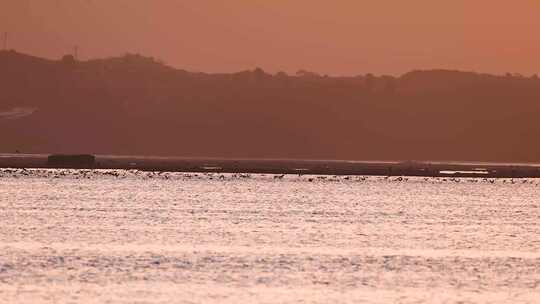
<point x="338" y="37"/>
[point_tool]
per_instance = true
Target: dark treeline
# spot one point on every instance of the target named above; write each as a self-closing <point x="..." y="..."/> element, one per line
<point x="135" y="105"/>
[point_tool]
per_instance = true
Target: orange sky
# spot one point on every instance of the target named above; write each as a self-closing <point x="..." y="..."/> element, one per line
<point x="338" y="37"/>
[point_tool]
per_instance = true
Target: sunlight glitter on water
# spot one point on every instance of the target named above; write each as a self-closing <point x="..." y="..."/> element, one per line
<point x="129" y="236"/>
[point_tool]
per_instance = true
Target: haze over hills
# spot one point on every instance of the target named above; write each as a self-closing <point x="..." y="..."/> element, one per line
<point x="134" y="105"/>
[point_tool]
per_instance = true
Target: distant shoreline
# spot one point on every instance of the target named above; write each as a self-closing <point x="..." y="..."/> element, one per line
<point x="286" y="166"/>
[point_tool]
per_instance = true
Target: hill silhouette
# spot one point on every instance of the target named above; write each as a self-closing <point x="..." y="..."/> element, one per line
<point x="134" y="105"/>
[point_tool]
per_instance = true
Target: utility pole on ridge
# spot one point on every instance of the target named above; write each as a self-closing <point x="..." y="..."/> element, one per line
<point x="5" y="42"/>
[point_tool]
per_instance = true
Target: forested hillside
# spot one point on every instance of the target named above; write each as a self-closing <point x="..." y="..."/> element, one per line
<point x="138" y="106"/>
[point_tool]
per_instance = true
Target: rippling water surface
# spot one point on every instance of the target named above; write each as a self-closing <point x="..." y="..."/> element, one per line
<point x="127" y="236"/>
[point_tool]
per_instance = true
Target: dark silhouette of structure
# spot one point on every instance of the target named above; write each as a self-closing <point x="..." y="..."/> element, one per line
<point x="71" y="161"/>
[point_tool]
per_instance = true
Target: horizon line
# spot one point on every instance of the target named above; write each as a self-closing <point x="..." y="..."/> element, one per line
<point x="295" y="74"/>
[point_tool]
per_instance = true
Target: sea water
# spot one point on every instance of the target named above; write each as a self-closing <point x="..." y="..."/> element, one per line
<point x="114" y="236"/>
